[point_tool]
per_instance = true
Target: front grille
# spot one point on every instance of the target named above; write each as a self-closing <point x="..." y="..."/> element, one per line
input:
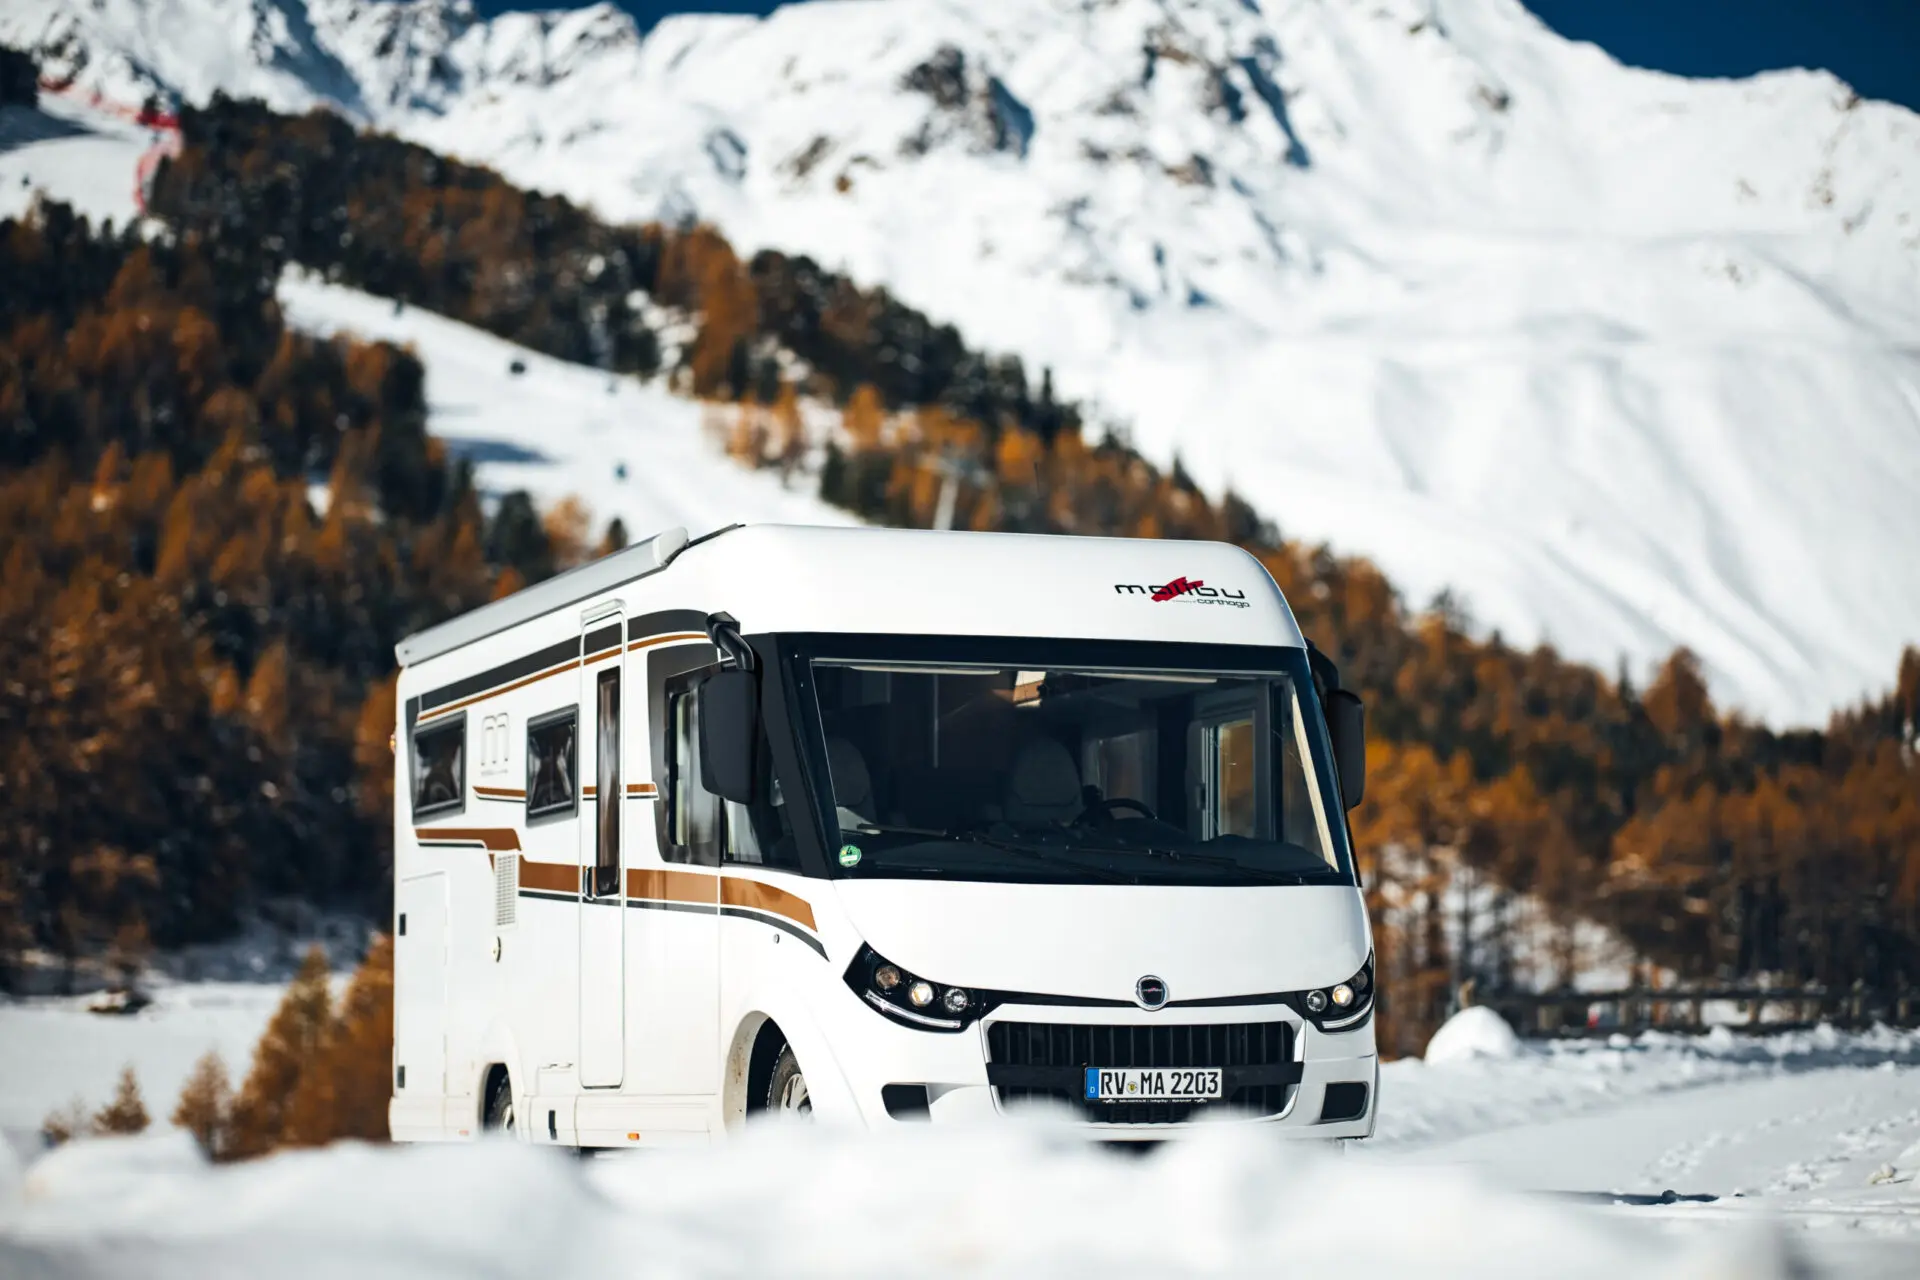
<point x="1072" y="1048"/>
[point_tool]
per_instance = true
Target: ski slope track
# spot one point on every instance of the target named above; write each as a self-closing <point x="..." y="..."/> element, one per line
<point x="1625" y="361"/>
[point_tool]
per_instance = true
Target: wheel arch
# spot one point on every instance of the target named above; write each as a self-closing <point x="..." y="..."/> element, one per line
<point x="499" y="1051"/>
<point x="755" y="1039"/>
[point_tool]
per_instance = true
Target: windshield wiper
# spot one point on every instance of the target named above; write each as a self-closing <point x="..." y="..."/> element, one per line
<point x="1278" y="875"/>
<point x="1036" y="852"/>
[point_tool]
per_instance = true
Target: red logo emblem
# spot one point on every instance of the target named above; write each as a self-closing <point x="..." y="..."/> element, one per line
<point x="1178" y="587"/>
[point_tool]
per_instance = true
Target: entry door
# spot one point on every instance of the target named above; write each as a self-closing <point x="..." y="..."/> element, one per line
<point x="420" y="985"/>
<point x="603" y="694"/>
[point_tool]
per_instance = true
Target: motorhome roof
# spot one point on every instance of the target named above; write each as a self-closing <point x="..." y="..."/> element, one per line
<point x="796" y="578"/>
<point x="576" y="584"/>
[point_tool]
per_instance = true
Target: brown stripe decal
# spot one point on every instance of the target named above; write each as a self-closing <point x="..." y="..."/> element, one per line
<point x="500" y="793"/>
<point x="492" y="839"/>
<point x="494" y="693"/>
<point x="656" y="884"/>
<point x="756" y="895"/>
<point x="550" y="877"/>
<point x="590" y="790"/>
<point x="674" y="637"/>
<point x="642" y="789"/>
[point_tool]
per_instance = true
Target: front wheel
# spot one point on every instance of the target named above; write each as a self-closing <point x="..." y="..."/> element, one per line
<point x="787" y="1086"/>
<point x="499" y="1117"/>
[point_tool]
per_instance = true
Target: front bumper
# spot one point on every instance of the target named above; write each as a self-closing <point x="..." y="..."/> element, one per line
<point x="957" y="1072"/>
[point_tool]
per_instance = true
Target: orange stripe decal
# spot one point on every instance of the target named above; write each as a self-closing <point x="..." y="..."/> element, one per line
<point x="657" y="884"/>
<point x="553" y="877"/>
<point x="642" y="789"/>
<point x="756" y="895"/>
<point x="671" y="638"/>
<point x="492" y="839"/>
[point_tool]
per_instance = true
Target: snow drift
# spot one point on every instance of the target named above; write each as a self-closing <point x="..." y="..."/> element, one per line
<point x="1625" y="360"/>
<point x="801" y="1201"/>
<point x="1474" y="1032"/>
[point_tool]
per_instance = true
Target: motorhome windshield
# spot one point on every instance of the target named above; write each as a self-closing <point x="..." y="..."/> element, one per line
<point x="1154" y="773"/>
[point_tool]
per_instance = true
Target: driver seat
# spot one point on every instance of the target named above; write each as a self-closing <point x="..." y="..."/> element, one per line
<point x="1043" y="785"/>
<point x="852" y="783"/>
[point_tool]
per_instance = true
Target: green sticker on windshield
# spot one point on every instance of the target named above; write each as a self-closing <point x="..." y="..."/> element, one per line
<point x="849" y="855"/>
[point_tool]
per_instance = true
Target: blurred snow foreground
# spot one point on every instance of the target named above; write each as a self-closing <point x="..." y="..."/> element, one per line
<point x="792" y="1200"/>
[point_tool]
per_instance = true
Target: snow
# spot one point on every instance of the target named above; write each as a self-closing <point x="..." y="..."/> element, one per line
<point x="1549" y="1160"/>
<point x="70" y="152"/>
<point x="809" y="1202"/>
<point x="53" y="1051"/>
<point x="1474" y="1032"/>
<point x="1623" y="360"/>
<point x="563" y="430"/>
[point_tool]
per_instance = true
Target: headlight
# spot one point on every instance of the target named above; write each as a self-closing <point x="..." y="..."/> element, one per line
<point x="908" y="998"/>
<point x="1344" y="1005"/>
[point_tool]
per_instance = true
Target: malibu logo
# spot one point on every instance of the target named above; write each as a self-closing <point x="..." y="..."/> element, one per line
<point x="1184" y="588"/>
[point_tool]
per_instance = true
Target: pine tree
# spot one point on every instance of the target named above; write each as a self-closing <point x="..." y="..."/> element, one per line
<point x="362" y="1058"/>
<point x="206" y="1105"/>
<point x="64" y="1124"/>
<point x="864" y="418"/>
<point x="127" y="1113"/>
<point x="566" y="524"/>
<point x="294" y="1040"/>
<point x="1677" y="700"/>
<point x="344" y="1092"/>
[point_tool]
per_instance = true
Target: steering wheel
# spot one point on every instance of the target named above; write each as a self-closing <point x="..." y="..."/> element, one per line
<point x="1099" y="812"/>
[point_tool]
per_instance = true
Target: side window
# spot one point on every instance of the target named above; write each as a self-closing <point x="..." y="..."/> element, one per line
<point x="1227" y="755"/>
<point x="1231" y="778"/>
<point x="692" y="813"/>
<point x="553" y="755"/>
<point x="440" y="767"/>
<point x="1302" y="818"/>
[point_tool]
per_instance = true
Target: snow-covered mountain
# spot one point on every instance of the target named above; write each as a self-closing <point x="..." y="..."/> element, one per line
<point x="1624" y="360"/>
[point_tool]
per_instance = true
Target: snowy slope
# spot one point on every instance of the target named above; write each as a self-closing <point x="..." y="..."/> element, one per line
<point x="1625" y="360"/>
<point x="66" y="151"/>
<point x="560" y="430"/>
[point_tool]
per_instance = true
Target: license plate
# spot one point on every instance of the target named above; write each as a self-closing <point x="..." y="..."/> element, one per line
<point x="1172" y="1084"/>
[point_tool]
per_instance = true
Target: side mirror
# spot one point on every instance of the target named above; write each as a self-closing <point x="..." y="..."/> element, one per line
<point x="729" y="734"/>
<point x="1347" y="726"/>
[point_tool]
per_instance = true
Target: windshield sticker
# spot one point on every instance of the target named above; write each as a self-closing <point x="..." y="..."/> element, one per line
<point x="849" y="855"/>
<point x="1182" y="588"/>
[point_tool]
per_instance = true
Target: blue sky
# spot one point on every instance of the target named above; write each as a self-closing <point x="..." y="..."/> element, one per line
<point x="1874" y="45"/>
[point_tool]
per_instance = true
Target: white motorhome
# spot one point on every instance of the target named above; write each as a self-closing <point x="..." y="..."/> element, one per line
<point x="885" y="826"/>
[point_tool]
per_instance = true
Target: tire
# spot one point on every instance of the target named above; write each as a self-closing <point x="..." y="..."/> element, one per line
<point x="499" y="1117"/>
<point x="787" y="1086"/>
